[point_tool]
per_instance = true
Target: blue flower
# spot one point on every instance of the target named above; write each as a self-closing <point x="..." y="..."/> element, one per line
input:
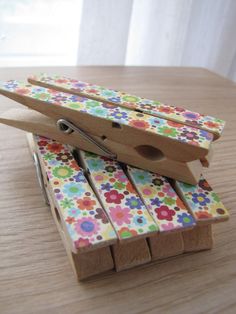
<point x="141" y="176"/>
<point x="205" y="134"/>
<point x="10" y="84"/>
<point x="200" y="198"/>
<point x="115" y="99"/>
<point x="134" y="202"/>
<point x="79" y="177"/>
<point x="155" y="201"/>
<point x="74" y="212"/>
<point x="95" y="164"/>
<point x="73" y="189"/>
<point x="106" y="186"/>
<point x="139" y="220"/>
<point x="98" y="111"/>
<point x="108" y="93"/>
<point x="119" y="114"/>
<point x="74" y="98"/>
<point x="185" y="219"/>
<point x="157" y="121"/>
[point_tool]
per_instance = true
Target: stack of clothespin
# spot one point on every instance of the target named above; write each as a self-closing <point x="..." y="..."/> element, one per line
<point x="122" y="174"/>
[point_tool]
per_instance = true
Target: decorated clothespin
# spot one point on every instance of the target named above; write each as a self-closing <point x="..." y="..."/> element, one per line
<point x="113" y="216"/>
<point x="163" y="139"/>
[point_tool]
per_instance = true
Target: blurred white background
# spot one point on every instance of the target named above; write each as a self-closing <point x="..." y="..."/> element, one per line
<point x="119" y="32"/>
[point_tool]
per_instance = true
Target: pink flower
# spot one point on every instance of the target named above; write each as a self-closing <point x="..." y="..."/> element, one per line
<point x="168" y="226"/>
<point x="120" y="215"/>
<point x="164" y="213"/>
<point x="121" y="176"/>
<point x="169" y="191"/>
<point x="87" y="226"/>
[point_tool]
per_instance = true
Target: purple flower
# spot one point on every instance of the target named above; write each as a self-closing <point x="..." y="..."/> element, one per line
<point x="79" y="177"/>
<point x="106" y="187"/>
<point x="186" y="220"/>
<point x="156" y="202"/>
<point x="114" y="99"/>
<point x="134" y="202"/>
<point x="119" y="114"/>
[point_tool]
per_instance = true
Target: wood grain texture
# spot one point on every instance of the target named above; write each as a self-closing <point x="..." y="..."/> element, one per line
<point x="35" y="274"/>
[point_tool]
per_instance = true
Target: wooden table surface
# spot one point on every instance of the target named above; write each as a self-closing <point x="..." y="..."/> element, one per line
<point x="35" y="275"/>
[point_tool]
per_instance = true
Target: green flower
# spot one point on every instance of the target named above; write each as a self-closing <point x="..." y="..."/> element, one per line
<point x="42" y="96"/>
<point x="167" y="131"/>
<point x="168" y="201"/>
<point x="67" y="203"/>
<point x="119" y="185"/>
<point x="156" y="103"/>
<point x="130" y="98"/>
<point x="153" y="228"/>
<point x="92" y="103"/>
<point x="75" y="105"/>
<point x="62" y="172"/>
<point x="49" y="156"/>
<point x="215" y="197"/>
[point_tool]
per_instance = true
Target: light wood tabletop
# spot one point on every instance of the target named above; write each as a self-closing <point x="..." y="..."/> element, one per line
<point x="35" y="274"/>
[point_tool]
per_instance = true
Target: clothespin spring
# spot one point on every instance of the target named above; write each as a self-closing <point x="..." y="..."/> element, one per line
<point x="68" y="127"/>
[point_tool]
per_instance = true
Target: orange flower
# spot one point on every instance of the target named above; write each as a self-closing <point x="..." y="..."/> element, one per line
<point x="129" y="188"/>
<point x="74" y="165"/>
<point x="175" y="124"/>
<point x="179" y="203"/>
<point x="211" y="124"/>
<point x="70" y="220"/>
<point x="139" y="124"/>
<point x="55" y="147"/>
<point x="166" y="109"/>
<point x="203" y="215"/>
<point x="86" y="203"/>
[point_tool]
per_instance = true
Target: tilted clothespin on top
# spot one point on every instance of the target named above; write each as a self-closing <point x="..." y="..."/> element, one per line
<point x="160" y="138"/>
<point x="109" y="214"/>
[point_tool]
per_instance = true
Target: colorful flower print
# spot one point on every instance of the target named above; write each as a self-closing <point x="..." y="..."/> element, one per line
<point x="92" y="103"/>
<point x="75" y="105"/>
<point x="120" y="215"/>
<point x="98" y="112"/>
<point x="101" y="215"/>
<point x="108" y="93"/>
<point x="100" y="177"/>
<point x="204" y="204"/>
<point x="119" y="115"/>
<point x="163" y="212"/>
<point x="166" y="109"/>
<point x="67" y="203"/>
<point x="95" y="164"/>
<point x="185" y="219"/>
<point x="79" y="177"/>
<point x="140" y="124"/>
<point x="200" y="198"/>
<point x="113" y="197"/>
<point x="120" y="176"/>
<point x="141" y="176"/>
<point x="170" y="132"/>
<point x="174" y="124"/>
<point x="49" y="156"/>
<point x="62" y="172"/>
<point x="127" y="233"/>
<point x="119" y="185"/>
<point x="74" y="212"/>
<point x="169" y="200"/>
<point x="139" y="221"/>
<point x="134" y="202"/>
<point x="81" y="243"/>
<point x="155" y="202"/>
<point x="203" y="215"/>
<point x="204" y="185"/>
<point x="189" y="135"/>
<point x="191" y="115"/>
<point x="148" y="191"/>
<point x="169" y="226"/>
<point x="86" y="203"/>
<point x="87" y="226"/>
<point x="119" y="198"/>
<point x="205" y="134"/>
<point x="73" y="189"/>
<point x="64" y="157"/>
<point x="70" y="220"/>
<point x="130" y="98"/>
<point x="54" y="147"/>
<point x="110" y="168"/>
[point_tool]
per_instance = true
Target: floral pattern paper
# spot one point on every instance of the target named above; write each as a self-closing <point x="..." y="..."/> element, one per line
<point x="155" y="108"/>
<point x="203" y="202"/>
<point x="161" y="200"/>
<point x="152" y="124"/>
<point x="85" y="220"/>
<point x="124" y="207"/>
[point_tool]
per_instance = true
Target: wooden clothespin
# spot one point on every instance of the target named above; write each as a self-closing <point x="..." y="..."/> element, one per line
<point x="145" y="139"/>
<point x="115" y="216"/>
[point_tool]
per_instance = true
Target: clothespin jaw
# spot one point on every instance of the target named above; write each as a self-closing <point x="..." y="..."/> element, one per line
<point x="138" y="138"/>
